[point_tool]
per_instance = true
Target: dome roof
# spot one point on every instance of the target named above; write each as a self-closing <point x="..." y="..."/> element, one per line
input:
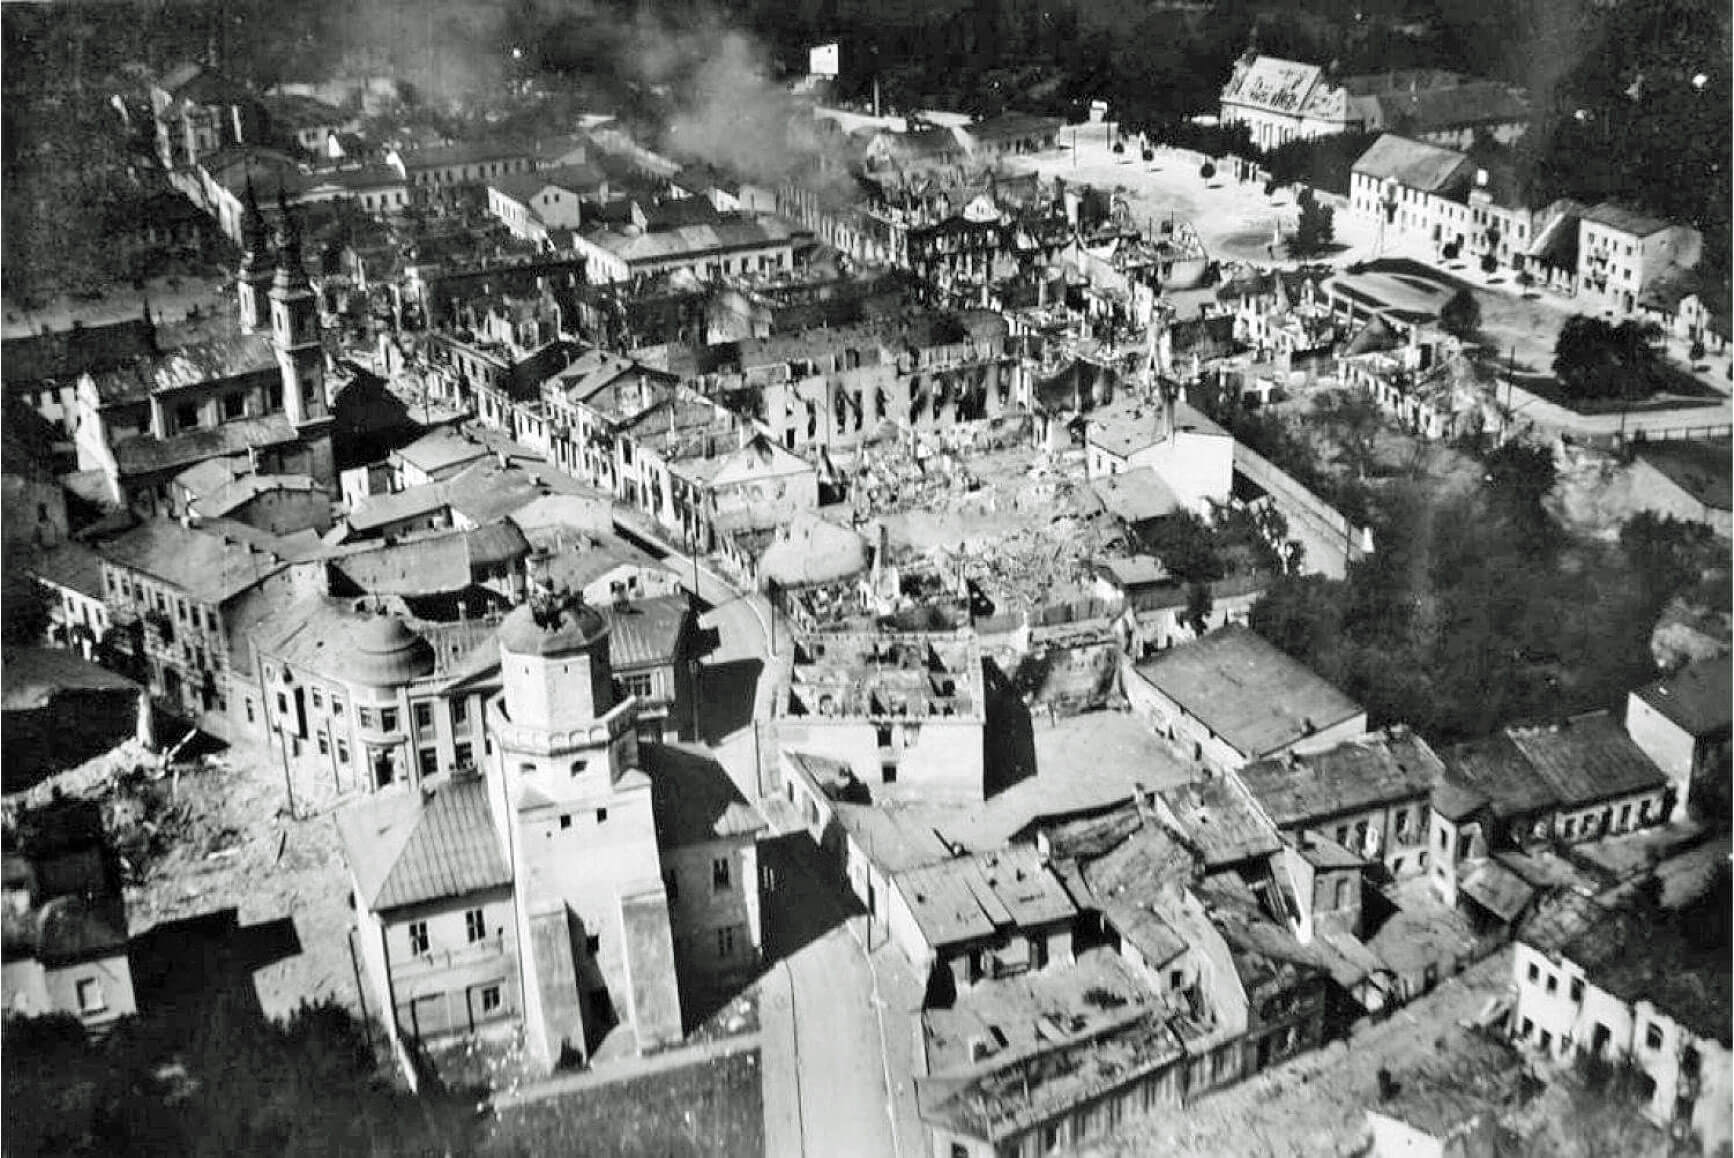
<point x="388" y="653"/>
<point x="570" y="628"/>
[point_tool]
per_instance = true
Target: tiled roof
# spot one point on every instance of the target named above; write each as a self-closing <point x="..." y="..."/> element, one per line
<point x="406" y="847"/>
<point x="463" y="153"/>
<point x="1413" y="164"/>
<point x="1430" y="110"/>
<point x="1588" y="759"/>
<point x="1377" y="769"/>
<point x="65" y="354"/>
<point x="1699" y="697"/>
<point x="646" y="632"/>
<point x="1247" y="691"/>
<point x="245" y="489"/>
<point x="147" y="454"/>
<point x="208" y="361"/>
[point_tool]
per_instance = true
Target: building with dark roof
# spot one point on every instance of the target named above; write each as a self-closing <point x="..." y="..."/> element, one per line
<point x="1369" y="794"/>
<point x="653" y="650"/>
<point x="1231" y="698"/>
<point x="63" y="918"/>
<point x="1682" y="722"/>
<point x="1633" y="984"/>
<point x="61" y="709"/>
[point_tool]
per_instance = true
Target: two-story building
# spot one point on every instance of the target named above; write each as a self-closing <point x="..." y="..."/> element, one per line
<point x="1621" y="253"/>
<point x="738" y="245"/>
<point x="541" y="204"/>
<point x="1369" y="795"/>
<point x="1682" y="722"/>
<point x="1190" y="454"/>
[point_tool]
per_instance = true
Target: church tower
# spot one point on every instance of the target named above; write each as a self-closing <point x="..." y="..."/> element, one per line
<point x="253" y="281"/>
<point x="300" y="356"/>
<point x="574" y="812"/>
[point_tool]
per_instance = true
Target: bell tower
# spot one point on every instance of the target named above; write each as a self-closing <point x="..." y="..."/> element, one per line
<point x="253" y="281"/>
<point x="300" y="356"/>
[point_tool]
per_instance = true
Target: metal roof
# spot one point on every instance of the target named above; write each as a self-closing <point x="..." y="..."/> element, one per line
<point x="407" y="847"/>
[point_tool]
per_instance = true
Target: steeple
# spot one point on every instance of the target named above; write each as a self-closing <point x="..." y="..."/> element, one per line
<point x="291" y="273"/>
<point x="254" y="278"/>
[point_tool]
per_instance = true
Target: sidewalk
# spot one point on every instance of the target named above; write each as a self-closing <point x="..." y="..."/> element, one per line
<point x="628" y="1068"/>
<point x="780" y="1074"/>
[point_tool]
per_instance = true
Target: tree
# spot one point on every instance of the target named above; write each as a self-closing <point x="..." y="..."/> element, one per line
<point x="1199" y="604"/>
<point x="1207" y="170"/>
<point x="1354" y="419"/>
<point x="1520" y="477"/>
<point x="1667" y="554"/>
<point x="1460" y="316"/>
<point x="1594" y="359"/>
<point x="1186" y="547"/>
<point x="1315" y="230"/>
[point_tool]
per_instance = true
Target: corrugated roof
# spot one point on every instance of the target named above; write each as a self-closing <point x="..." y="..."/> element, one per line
<point x="1413" y="164"/>
<point x="1373" y="770"/>
<point x="1699" y="697"/>
<point x="646" y="632"/>
<point x="406" y="847"/>
<point x="1247" y="691"/>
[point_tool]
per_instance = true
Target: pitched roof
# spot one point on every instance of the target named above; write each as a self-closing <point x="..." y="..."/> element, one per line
<point x="1625" y="220"/>
<point x="209" y="566"/>
<point x="1429" y="110"/>
<point x="1220" y="820"/>
<point x="1699" y="697"/>
<point x="406" y="847"/>
<point x="71" y="565"/>
<point x="147" y="454"/>
<point x="694" y="240"/>
<point x="1123" y="881"/>
<point x="80" y="349"/>
<point x="212" y="360"/>
<point x="1587" y="759"/>
<point x="463" y="153"/>
<point x="646" y="632"/>
<point x="1371" y="770"/>
<point x="693" y="799"/>
<point x="241" y="491"/>
<point x="1413" y="164"/>
<point x="972" y="897"/>
<point x="1135" y="496"/>
<point x="1269" y="82"/>
<point x="1495" y="771"/>
<point x="1247" y="691"/>
<point x="31" y="677"/>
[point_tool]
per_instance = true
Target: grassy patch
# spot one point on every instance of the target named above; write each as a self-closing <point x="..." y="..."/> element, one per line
<point x="1680" y="390"/>
<point x="711" y="1108"/>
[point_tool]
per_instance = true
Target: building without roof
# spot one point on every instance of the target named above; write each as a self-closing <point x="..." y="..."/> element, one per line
<point x="905" y="712"/>
<point x="1231" y="698"/>
<point x="1451" y="1106"/>
<point x="1369" y="795"/>
<point x="1625" y="984"/>
<point x="1682" y="722"/>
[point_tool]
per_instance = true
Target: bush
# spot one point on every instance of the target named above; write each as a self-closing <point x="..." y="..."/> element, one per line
<point x="1207" y="170"/>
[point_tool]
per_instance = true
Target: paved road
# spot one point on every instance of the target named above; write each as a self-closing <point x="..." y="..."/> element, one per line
<point x="832" y="1027"/>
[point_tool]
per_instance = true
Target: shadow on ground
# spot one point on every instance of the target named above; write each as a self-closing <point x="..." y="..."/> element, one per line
<point x="726" y="695"/>
<point x="197" y="959"/>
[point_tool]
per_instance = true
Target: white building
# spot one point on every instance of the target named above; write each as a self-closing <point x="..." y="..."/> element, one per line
<point x="1621" y="253"/>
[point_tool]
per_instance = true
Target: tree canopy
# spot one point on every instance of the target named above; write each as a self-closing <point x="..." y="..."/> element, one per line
<point x="1595" y="359"/>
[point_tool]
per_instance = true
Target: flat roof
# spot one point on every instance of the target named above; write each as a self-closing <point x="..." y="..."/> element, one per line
<point x="1247" y="691"/>
<point x="1219" y="819"/>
